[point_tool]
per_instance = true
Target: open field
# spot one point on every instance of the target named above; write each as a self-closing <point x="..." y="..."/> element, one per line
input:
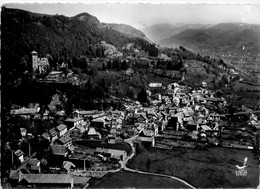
<point x="152" y="78"/>
<point x="213" y="168"/>
<point x="249" y="98"/>
<point x="197" y="73"/>
<point x="125" y="179"/>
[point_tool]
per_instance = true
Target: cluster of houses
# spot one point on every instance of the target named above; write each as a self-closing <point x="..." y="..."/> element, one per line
<point x="178" y="116"/>
<point x="190" y="118"/>
<point x="97" y="127"/>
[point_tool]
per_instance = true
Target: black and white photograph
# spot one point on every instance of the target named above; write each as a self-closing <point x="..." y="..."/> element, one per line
<point x="130" y="94"/>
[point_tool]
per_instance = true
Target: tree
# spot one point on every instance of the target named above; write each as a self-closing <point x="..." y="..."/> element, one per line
<point x="142" y="96"/>
<point x="83" y="62"/>
<point x="148" y="163"/>
<point x="109" y="65"/>
<point x="93" y="71"/>
<point x="50" y="59"/>
<point x="124" y="65"/>
<point x="130" y="92"/>
<point x="104" y="67"/>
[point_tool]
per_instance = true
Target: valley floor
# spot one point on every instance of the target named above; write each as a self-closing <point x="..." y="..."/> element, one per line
<point x="214" y="168"/>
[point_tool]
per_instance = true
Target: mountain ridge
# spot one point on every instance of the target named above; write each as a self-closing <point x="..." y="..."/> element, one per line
<point x="233" y="38"/>
<point x="161" y="31"/>
<point x="58" y="35"/>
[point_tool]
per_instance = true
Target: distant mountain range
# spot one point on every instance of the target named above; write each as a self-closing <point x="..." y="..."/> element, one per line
<point x="61" y="36"/>
<point x="159" y="32"/>
<point x="238" y="39"/>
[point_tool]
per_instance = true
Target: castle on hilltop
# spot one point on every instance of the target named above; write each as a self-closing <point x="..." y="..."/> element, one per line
<point x="39" y="65"/>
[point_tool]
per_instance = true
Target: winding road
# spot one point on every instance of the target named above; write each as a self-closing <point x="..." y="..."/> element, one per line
<point x="124" y="163"/>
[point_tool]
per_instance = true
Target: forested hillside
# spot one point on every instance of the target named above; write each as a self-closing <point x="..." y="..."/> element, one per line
<point x="60" y="36"/>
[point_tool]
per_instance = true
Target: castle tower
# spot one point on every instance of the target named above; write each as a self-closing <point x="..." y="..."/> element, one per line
<point x="34" y="61"/>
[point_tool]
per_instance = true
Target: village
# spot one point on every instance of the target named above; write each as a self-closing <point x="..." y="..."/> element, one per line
<point x="90" y="143"/>
<point x="130" y="96"/>
<point x="50" y="147"/>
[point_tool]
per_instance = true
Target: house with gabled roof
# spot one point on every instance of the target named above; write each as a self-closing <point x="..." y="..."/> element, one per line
<point x="120" y="155"/>
<point x="20" y="155"/>
<point x="68" y="166"/>
<point x="93" y="134"/>
<point x="192" y="125"/>
<point x="147" y="136"/>
<point x="54" y="134"/>
<point x="34" y="165"/>
<point x="65" y="140"/>
<point x="46" y="180"/>
<point x="73" y="122"/>
<point x="46" y="135"/>
<point x="215" y="116"/>
<point x="58" y="150"/>
<point x="61" y="129"/>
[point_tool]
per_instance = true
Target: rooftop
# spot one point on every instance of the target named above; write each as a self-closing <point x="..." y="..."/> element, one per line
<point x="25" y="111"/>
<point x="58" y="149"/>
<point x="53" y="131"/>
<point x="61" y="127"/>
<point x="73" y="119"/>
<point x="65" y="139"/>
<point x="47" y="178"/>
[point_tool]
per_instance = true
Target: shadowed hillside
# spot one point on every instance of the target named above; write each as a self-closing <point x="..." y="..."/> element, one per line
<point x="60" y="36"/>
<point x="159" y="32"/>
<point x="126" y="29"/>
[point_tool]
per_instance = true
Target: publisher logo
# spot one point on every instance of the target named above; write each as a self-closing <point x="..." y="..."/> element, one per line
<point x="241" y="169"/>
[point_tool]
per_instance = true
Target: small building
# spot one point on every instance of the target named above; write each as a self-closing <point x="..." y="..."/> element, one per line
<point x="120" y="155"/>
<point x="47" y="136"/>
<point x="20" y="155"/>
<point x="93" y="134"/>
<point x="111" y="138"/>
<point x="62" y="130"/>
<point x="54" y="134"/>
<point x="58" y="150"/>
<point x="102" y="151"/>
<point x="55" y="75"/>
<point x="155" y="85"/>
<point x="23" y="132"/>
<point x="192" y="125"/>
<point x="204" y="84"/>
<point x="85" y="113"/>
<point x="34" y="165"/>
<point x="25" y="111"/>
<point x="65" y="140"/>
<point x="68" y="166"/>
<point x="215" y="116"/>
<point x="73" y="122"/>
<point x="147" y="136"/>
<point x="206" y="129"/>
<point x="98" y="123"/>
<point x="46" y="180"/>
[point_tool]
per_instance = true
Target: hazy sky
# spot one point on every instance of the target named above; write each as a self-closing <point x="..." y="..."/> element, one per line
<point x="139" y="15"/>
